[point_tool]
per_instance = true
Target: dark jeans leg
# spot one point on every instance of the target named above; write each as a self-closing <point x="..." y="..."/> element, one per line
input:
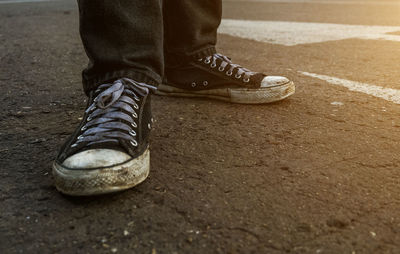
<point x="122" y="39"/>
<point x="190" y="28"/>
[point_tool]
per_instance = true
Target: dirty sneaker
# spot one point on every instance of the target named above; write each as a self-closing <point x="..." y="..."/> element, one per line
<point x="217" y="77"/>
<point x="109" y="151"/>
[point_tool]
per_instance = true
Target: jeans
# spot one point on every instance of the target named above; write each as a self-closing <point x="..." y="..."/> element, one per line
<point x="137" y="38"/>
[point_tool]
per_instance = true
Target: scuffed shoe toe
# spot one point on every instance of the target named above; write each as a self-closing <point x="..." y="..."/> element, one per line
<point x="270" y="81"/>
<point x="96" y="158"/>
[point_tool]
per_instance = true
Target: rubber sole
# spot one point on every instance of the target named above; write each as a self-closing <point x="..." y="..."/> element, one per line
<point x="235" y="95"/>
<point x="81" y="182"/>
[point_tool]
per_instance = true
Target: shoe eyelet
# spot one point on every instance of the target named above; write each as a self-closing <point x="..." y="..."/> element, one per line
<point x="229" y="73"/>
<point x="134" y="125"/>
<point x="136" y="106"/>
<point x="134" y="114"/>
<point x="221" y="68"/>
<point x="207" y="61"/>
<point x="194" y="84"/>
<point x="132" y="133"/>
<point x="213" y="65"/>
<point x="238" y="76"/>
<point x="246" y="80"/>
<point x="79" y="137"/>
<point x="205" y="83"/>
<point x="89" y="118"/>
<point x="149" y="126"/>
<point x="74" y="145"/>
<point x="137" y="99"/>
<point x="134" y="143"/>
<point x="83" y="128"/>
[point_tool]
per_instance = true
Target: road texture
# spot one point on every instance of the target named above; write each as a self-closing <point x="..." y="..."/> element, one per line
<point x="316" y="173"/>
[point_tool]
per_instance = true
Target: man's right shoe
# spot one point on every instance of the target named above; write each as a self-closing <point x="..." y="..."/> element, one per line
<point x="109" y="151"/>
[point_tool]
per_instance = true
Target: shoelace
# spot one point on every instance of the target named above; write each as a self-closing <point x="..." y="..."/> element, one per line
<point x="110" y="112"/>
<point x="226" y="62"/>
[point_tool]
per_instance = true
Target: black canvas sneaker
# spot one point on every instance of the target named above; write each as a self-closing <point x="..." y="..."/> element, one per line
<point x="109" y="151"/>
<point x="217" y="77"/>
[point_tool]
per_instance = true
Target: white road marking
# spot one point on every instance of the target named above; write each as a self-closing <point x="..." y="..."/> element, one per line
<point x="22" y="1"/>
<point x="294" y="33"/>
<point x="388" y="94"/>
<point x="341" y="2"/>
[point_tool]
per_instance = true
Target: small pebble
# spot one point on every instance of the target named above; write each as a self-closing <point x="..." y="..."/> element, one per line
<point x="337" y="103"/>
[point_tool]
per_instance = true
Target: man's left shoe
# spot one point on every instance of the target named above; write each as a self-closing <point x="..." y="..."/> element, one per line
<point x="217" y="77"/>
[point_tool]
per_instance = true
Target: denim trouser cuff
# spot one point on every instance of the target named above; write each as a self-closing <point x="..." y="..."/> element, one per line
<point x="175" y="58"/>
<point x="204" y="52"/>
<point x="90" y="84"/>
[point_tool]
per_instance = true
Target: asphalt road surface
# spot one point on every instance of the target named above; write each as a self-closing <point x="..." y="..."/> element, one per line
<point x="316" y="173"/>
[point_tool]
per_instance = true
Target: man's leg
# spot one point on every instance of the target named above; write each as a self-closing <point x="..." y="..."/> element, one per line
<point x="109" y="151"/>
<point x="193" y="68"/>
<point x="190" y="28"/>
<point x="122" y="39"/>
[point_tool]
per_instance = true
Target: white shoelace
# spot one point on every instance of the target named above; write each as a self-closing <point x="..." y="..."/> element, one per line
<point x="113" y="113"/>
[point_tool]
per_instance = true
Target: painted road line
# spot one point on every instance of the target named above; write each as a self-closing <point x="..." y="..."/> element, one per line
<point x="295" y="33"/>
<point x="341" y="2"/>
<point x="22" y="1"/>
<point x="388" y="94"/>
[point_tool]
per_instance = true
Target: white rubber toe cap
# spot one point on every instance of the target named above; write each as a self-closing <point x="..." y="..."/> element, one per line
<point x="96" y="158"/>
<point x="269" y="81"/>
